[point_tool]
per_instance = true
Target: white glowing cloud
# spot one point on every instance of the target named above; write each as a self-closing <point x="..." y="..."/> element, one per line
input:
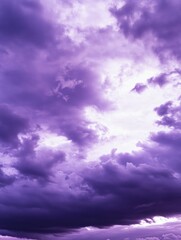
<point x="52" y="140"/>
<point x="157" y="220"/>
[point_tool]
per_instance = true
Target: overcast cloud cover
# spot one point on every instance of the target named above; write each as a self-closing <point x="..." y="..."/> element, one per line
<point x="90" y="119"/>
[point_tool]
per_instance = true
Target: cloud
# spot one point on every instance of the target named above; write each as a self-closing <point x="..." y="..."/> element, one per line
<point x="169" y="114"/>
<point x="122" y="190"/>
<point x="168" y="236"/>
<point x="161" y="19"/>
<point x="43" y="77"/>
<point x="139" y="88"/>
<point x="10" y="126"/>
<point x="159" y="80"/>
<point x="23" y="22"/>
<point x="148" y="238"/>
<point x="49" y="82"/>
<point x="163" y="109"/>
<point x="35" y="165"/>
<point x="171" y="236"/>
<point x="5" y="180"/>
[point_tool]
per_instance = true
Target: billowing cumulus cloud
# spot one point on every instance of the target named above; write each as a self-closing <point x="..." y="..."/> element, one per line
<point x="161" y="19"/>
<point x="81" y="153"/>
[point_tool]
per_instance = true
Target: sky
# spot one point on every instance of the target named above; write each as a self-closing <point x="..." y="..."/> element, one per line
<point x="90" y="120"/>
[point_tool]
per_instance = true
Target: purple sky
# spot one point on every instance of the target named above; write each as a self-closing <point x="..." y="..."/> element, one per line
<point x="90" y="119"/>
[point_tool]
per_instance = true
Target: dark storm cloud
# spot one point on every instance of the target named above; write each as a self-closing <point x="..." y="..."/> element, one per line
<point x="11" y="125"/>
<point x="5" y="180"/>
<point x="120" y="189"/>
<point x="139" y="88"/>
<point x="167" y="121"/>
<point x="77" y="88"/>
<point x="161" y="18"/>
<point x="42" y="197"/>
<point x="79" y="133"/>
<point x="85" y="89"/>
<point x="169" y="114"/>
<point x="160" y="80"/>
<point x="23" y="22"/>
<point x="163" y="109"/>
<point x="36" y="167"/>
<point x="30" y="65"/>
